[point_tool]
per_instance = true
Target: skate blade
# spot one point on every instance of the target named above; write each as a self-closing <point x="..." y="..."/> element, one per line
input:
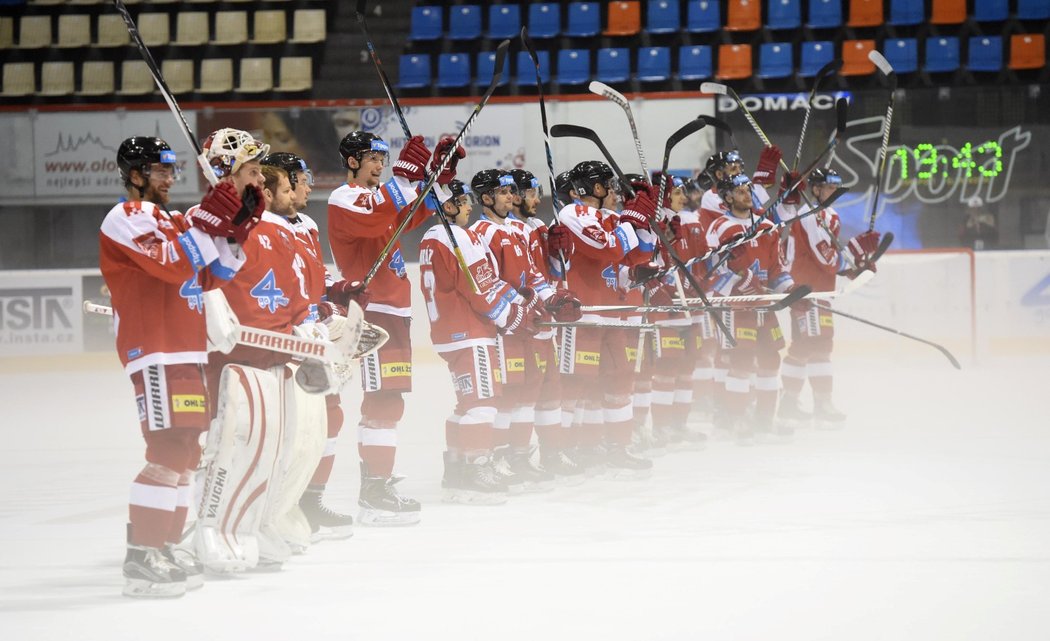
<point x="385" y="518"/>
<point x="332" y="534"/>
<point x="194" y="582"/>
<point x="628" y="475"/>
<point x="570" y="480"/>
<point x="467" y="497"/>
<point x="144" y="589"/>
<point x="539" y="487"/>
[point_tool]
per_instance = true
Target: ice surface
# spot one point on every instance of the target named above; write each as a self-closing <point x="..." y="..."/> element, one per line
<point x="928" y="518"/>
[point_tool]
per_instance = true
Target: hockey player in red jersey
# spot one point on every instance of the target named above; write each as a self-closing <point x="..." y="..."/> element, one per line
<point x="157" y="265"/>
<point x="752" y="268"/>
<point x="362" y="217"/>
<point x="464" y="323"/>
<point x="815" y="260"/>
<point x="606" y="245"/>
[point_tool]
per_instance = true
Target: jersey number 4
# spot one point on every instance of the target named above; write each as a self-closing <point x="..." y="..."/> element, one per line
<point x="268" y="294"/>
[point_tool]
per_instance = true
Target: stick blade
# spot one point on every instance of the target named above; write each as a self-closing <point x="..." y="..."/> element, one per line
<point x="497" y="64"/>
<point x="571" y="131"/>
<point x="841" y="116"/>
<point x="829" y="69"/>
<point x="359" y="11"/>
<point x="714" y="87"/>
<point x="880" y="61"/>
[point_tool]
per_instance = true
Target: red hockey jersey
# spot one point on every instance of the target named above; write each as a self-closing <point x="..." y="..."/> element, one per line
<point x="812" y="255"/>
<point x="510" y="245"/>
<point x="315" y="274"/>
<point x="763" y="255"/>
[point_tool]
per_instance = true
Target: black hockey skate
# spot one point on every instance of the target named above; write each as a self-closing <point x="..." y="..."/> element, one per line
<point x="477" y="483"/>
<point x="506" y="472"/>
<point x="624" y="466"/>
<point x="382" y="505"/>
<point x="186" y="561"/>
<point x="826" y="416"/>
<point x="591" y="458"/>
<point x="688" y="437"/>
<point x="790" y="415"/>
<point x="535" y="478"/>
<point x="149" y="574"/>
<point x="324" y="523"/>
<point x="562" y="466"/>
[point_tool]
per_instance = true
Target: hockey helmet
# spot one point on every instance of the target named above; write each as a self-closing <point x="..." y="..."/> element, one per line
<point x="525" y="180"/>
<point x="357" y="143"/>
<point x="227" y="149"/>
<point x="141" y="152"/>
<point x="821" y="176"/>
<point x="292" y="164"/>
<point x="721" y="160"/>
<point x="458" y="188"/>
<point x="727" y="185"/>
<point x="562" y="187"/>
<point x="589" y="173"/>
<point x="487" y="181"/>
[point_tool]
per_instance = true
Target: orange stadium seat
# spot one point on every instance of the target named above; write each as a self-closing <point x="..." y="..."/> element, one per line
<point x="625" y="18"/>
<point x="948" y="12"/>
<point x="855" y="60"/>
<point x="97" y="79"/>
<point x="734" y="62"/>
<point x="744" y="15"/>
<point x="865" y="13"/>
<point x="1027" y="51"/>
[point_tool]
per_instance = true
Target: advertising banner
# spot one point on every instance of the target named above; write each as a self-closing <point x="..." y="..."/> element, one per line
<point x="40" y="313"/>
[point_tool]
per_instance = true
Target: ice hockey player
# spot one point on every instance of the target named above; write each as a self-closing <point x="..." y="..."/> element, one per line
<point x="156" y="265"/>
<point x="466" y="314"/>
<point x="599" y="380"/>
<point x="362" y="217"/>
<point x="814" y="260"/>
<point x="752" y="268"/>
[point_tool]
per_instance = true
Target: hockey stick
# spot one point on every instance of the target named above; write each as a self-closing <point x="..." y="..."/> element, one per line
<point x="604" y="90"/>
<point x="497" y="72"/>
<point x="775" y="304"/>
<point x="884" y="67"/>
<point x="389" y="89"/>
<point x="577" y="131"/>
<point x="827" y="70"/>
<point x="940" y="348"/>
<point x="162" y="86"/>
<point x="645" y="327"/>
<point x="721" y="125"/>
<point x="555" y="203"/>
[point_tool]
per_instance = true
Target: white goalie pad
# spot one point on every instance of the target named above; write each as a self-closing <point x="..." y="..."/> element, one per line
<point x="221" y="321"/>
<point x="305" y="436"/>
<point x="239" y="458"/>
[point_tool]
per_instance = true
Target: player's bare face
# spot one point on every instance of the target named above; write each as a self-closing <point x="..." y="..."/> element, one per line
<point x="823" y="191"/>
<point x="161" y="178"/>
<point x="739" y="201"/>
<point x="281" y="202"/>
<point x="503" y="200"/>
<point x="371" y="169"/>
<point x="530" y="201"/>
<point x="301" y="193"/>
<point x="250" y="173"/>
<point x="677" y="199"/>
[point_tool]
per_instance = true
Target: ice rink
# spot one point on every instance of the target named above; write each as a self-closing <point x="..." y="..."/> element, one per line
<point x="927" y="517"/>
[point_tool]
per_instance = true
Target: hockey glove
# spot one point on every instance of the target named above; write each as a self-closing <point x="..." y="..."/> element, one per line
<point x="559" y="241"/>
<point x="639" y="211"/>
<point x="766" y="170"/>
<point x="344" y="291"/>
<point x="412" y="160"/>
<point x="657" y="294"/>
<point x="252" y="207"/>
<point x="564" y="306"/>
<point x="521" y="320"/>
<point x="862" y="246"/>
<point x="443" y="147"/>
<point x="643" y="272"/>
<point x="795" y="195"/>
<point x="327" y="309"/>
<point x="215" y="215"/>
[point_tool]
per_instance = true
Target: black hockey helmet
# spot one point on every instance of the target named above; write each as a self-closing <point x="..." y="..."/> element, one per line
<point x="727" y="185"/>
<point x="459" y="188"/>
<point x="631" y="181"/>
<point x="292" y="164"/>
<point x="357" y="143"/>
<point x="589" y="173"/>
<point x="487" y="181"/>
<point x="720" y="160"/>
<point x="524" y="180"/>
<point x="821" y="176"/>
<point x="562" y="186"/>
<point x="139" y="152"/>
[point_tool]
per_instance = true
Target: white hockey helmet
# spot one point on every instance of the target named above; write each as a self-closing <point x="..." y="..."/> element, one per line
<point x="227" y="149"/>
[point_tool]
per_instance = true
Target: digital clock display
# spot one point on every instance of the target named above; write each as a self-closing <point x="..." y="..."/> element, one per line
<point x="924" y="162"/>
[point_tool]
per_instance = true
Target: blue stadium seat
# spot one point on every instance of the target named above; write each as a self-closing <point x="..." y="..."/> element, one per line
<point x="464" y="22"/>
<point x="574" y="66"/>
<point x="426" y="23"/>
<point x="825" y="14"/>
<point x="453" y="70"/>
<point x="486" y="62"/>
<point x="784" y="14"/>
<point x="544" y="20"/>
<point x="991" y="10"/>
<point x="414" y="71"/>
<point x="585" y="19"/>
<point x="695" y="62"/>
<point x="775" y="60"/>
<point x="815" y="54"/>
<point x="504" y="21"/>
<point x="703" y="16"/>
<point x="614" y="64"/>
<point x="942" y="54"/>
<point x="654" y="64"/>
<point x="985" y="53"/>
<point x="1033" y="9"/>
<point x="662" y="17"/>
<point x="902" y="54"/>
<point x="905" y="13"/>
<point x="527" y="70"/>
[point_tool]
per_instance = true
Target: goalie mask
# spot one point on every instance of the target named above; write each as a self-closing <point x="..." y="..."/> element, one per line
<point x="292" y="164"/>
<point x="141" y="153"/>
<point x="228" y="149"/>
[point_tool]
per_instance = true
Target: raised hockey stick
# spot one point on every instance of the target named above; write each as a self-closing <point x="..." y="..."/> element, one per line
<point x="827" y="70"/>
<point x="577" y="131"/>
<point x="721" y="125"/>
<point x="772" y="303"/>
<point x="555" y="203"/>
<point x="609" y="323"/>
<point x="497" y="72"/>
<point x="887" y="70"/>
<point x="940" y="348"/>
<point x="604" y="90"/>
<point x="392" y="98"/>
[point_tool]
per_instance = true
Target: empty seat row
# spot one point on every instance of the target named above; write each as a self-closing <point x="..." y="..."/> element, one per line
<point x="584" y="19"/>
<point x="696" y="62"/>
<point x="191" y="28"/>
<point x="98" y="78"/>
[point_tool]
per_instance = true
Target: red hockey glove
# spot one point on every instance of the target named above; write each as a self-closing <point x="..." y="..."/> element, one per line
<point x="215" y="215"/>
<point x="344" y="291"/>
<point x="327" y="309"/>
<point x="559" y="241"/>
<point x="766" y="170"/>
<point x="522" y="320"/>
<point x="795" y="195"/>
<point x="252" y="207"/>
<point x="675" y="225"/>
<point x="748" y="285"/>
<point x="643" y="272"/>
<point x="412" y="159"/>
<point x="531" y="299"/>
<point x="641" y="187"/>
<point x="443" y="147"/>
<point x="639" y="211"/>
<point x="564" y="306"/>
<point x="658" y="295"/>
<point x="862" y="246"/>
